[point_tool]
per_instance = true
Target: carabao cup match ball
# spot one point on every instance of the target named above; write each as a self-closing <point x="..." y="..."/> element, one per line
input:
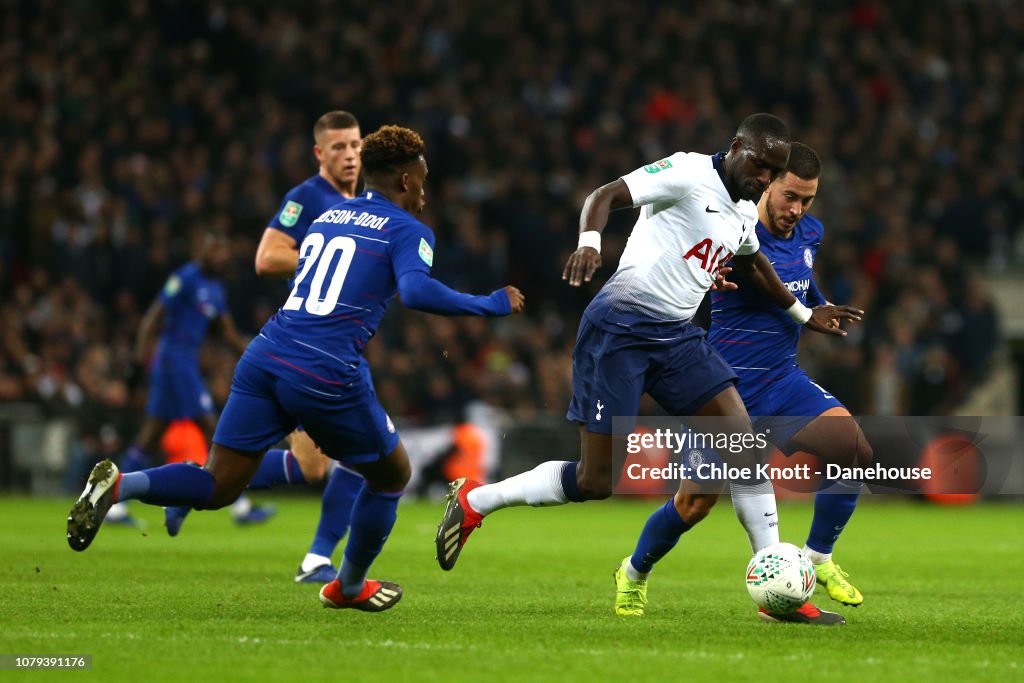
<point x="780" y="578"/>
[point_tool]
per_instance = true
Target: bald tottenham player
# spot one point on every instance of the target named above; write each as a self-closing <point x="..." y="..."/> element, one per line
<point x="636" y="336"/>
<point x="760" y="344"/>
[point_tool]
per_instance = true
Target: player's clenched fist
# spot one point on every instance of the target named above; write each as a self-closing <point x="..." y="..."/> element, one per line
<point x="515" y="299"/>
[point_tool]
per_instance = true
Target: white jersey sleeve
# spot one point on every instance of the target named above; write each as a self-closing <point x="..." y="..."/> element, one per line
<point x="749" y="244"/>
<point x="668" y="180"/>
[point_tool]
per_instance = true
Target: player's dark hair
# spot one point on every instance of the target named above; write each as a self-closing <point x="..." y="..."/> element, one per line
<point x="763" y="127"/>
<point x="334" y="120"/>
<point x="803" y="161"/>
<point x="390" y="148"/>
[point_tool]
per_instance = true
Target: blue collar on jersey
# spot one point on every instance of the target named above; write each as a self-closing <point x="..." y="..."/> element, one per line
<point x="325" y="183"/>
<point x="764" y="231"/>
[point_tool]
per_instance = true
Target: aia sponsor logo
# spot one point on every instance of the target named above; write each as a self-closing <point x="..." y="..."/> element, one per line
<point x="709" y="261"/>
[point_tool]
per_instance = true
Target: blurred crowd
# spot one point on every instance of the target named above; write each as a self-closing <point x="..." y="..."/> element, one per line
<point x="129" y="124"/>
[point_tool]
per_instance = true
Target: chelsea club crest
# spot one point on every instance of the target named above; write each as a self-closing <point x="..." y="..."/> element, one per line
<point x="696" y="458"/>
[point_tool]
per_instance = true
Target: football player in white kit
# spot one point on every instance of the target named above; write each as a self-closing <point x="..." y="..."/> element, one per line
<point x="636" y="335"/>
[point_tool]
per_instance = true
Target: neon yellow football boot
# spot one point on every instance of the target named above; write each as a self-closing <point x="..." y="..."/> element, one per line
<point x="630" y="596"/>
<point x="835" y="582"/>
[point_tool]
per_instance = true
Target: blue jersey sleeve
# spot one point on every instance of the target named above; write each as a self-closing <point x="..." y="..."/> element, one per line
<point x="814" y="296"/>
<point x="412" y="250"/>
<point x="297" y="212"/>
<point x="412" y="255"/>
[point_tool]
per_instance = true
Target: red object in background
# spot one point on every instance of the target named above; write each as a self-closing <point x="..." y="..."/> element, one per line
<point x="467" y="458"/>
<point x="866" y="15"/>
<point x="184" y="441"/>
<point x="666" y="106"/>
<point x="956" y="466"/>
<point x="873" y="263"/>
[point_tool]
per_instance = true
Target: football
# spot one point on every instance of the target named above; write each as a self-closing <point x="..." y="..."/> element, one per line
<point x="780" y="578"/>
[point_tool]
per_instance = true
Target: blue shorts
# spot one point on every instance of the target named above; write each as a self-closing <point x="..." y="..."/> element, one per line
<point x="347" y="424"/>
<point x="176" y="390"/>
<point x="612" y="370"/>
<point x="786" y="406"/>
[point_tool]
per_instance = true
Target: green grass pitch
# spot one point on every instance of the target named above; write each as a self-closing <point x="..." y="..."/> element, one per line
<point x="530" y="600"/>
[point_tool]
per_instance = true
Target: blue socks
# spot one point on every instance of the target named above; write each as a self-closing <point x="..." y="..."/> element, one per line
<point x="373" y="516"/>
<point x="277" y="467"/>
<point x="833" y="506"/>
<point x="170" y="485"/>
<point x="660" y="535"/>
<point x="335" y="510"/>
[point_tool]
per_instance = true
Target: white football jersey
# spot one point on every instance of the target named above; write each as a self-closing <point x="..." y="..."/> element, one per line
<point x="688" y="228"/>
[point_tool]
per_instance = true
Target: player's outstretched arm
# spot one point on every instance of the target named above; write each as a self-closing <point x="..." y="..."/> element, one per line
<point x="420" y="291"/>
<point x="586" y="259"/>
<point x="277" y="254"/>
<point x="758" y="270"/>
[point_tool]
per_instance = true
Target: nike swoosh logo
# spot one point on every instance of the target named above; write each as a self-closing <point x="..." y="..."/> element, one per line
<point x="768" y="514"/>
<point x="708" y="209"/>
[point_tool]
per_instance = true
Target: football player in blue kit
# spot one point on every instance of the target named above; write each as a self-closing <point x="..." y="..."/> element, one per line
<point x="636" y="336"/>
<point x="191" y="301"/>
<point x="307" y="367"/>
<point x="337" y="141"/>
<point x="760" y="344"/>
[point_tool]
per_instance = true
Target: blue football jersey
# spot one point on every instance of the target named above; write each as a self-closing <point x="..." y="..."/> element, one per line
<point x="756" y="337"/>
<point x="191" y="300"/>
<point x="349" y="265"/>
<point x="303" y="204"/>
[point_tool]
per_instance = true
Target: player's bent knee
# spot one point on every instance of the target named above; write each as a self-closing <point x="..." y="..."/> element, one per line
<point x="390" y="473"/>
<point x="865" y="454"/>
<point x="394" y="481"/>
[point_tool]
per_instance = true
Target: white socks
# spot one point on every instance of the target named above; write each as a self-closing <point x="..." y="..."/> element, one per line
<point x="815" y="557"/>
<point x="755" y="507"/>
<point x="539" y="487"/>
<point x="633" y="575"/>
<point x="311" y="562"/>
